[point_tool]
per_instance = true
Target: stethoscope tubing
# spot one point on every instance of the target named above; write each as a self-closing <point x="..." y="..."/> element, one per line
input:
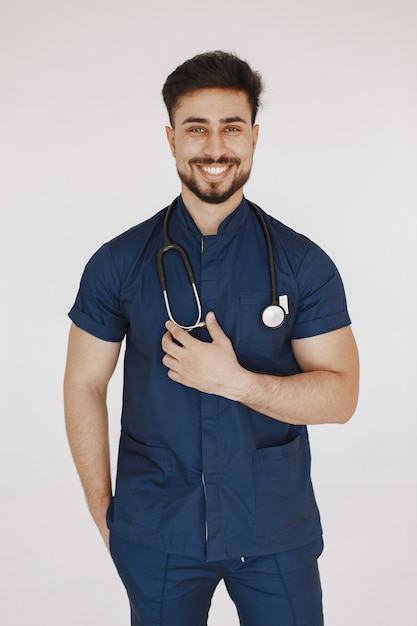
<point x="274" y="309"/>
<point x="169" y="246"/>
<point x="271" y="264"/>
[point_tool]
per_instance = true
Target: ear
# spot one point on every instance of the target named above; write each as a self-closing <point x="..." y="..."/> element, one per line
<point x="255" y="133"/>
<point x="170" y="133"/>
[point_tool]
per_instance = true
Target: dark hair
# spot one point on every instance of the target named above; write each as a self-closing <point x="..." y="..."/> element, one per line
<point x="212" y="69"/>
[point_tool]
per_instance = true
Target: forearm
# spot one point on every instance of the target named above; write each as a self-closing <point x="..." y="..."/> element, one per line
<point x="87" y="430"/>
<point x="318" y="397"/>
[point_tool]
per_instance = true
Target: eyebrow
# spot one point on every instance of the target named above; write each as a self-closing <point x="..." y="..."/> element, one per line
<point x="223" y="120"/>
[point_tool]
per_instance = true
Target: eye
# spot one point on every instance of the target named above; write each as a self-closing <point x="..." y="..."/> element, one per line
<point x="196" y="130"/>
<point x="232" y="129"/>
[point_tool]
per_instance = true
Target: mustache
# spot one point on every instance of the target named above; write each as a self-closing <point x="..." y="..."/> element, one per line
<point x="220" y="161"/>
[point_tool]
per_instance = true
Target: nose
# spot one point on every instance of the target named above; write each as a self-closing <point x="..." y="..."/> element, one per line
<point x="214" y="146"/>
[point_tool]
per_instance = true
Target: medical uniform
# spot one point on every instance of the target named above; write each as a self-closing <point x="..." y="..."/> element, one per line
<point x="200" y="476"/>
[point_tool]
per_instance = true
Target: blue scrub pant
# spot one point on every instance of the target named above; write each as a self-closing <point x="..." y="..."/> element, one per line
<point x="169" y="590"/>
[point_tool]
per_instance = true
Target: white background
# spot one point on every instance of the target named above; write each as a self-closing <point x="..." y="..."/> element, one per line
<point x="84" y="157"/>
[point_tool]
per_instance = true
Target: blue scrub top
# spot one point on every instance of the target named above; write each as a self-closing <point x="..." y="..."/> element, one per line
<point x="198" y="474"/>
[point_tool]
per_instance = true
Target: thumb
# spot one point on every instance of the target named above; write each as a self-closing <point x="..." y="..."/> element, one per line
<point x="213" y="327"/>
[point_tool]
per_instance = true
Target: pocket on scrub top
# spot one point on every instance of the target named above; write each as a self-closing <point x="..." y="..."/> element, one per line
<point x="284" y="494"/>
<point x="144" y="482"/>
<point x="254" y="336"/>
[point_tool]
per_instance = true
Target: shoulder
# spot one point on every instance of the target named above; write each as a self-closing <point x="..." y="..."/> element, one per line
<point x="118" y="254"/>
<point x="136" y="237"/>
<point x="296" y="247"/>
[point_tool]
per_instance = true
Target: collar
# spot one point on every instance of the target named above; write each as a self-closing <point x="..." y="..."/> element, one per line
<point x="232" y="222"/>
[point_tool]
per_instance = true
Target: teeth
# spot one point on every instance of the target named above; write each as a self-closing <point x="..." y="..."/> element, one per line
<point x="214" y="170"/>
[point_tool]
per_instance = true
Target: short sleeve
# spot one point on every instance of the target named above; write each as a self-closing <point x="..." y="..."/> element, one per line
<point x="97" y="307"/>
<point x="322" y="302"/>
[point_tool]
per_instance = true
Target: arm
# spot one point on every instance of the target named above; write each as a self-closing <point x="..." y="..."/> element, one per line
<point x="325" y="392"/>
<point x="90" y="365"/>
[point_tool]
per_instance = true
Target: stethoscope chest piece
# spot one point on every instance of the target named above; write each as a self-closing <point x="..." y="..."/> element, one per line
<point x="273" y="316"/>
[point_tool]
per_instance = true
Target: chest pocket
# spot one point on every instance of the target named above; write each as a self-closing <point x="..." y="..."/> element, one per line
<point x="255" y="339"/>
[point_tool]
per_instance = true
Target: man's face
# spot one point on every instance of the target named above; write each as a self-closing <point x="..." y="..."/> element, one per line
<point x="213" y="142"/>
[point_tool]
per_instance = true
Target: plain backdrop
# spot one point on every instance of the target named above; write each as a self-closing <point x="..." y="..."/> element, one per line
<point x="84" y="157"/>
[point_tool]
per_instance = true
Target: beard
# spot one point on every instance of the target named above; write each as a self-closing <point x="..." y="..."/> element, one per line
<point x="211" y="192"/>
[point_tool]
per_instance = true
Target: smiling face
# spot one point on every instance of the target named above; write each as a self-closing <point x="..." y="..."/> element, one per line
<point x="213" y="142"/>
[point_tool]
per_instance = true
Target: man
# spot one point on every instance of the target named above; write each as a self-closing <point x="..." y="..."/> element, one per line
<point x="213" y="478"/>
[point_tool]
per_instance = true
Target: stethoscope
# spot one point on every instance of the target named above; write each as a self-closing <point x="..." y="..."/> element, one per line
<point x="273" y="316"/>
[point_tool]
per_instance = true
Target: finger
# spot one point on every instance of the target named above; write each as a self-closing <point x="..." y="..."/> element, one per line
<point x="169" y="361"/>
<point x="214" y="328"/>
<point x="170" y="346"/>
<point x="179" y="334"/>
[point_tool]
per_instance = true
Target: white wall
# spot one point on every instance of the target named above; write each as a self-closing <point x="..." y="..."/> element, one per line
<point x="83" y="157"/>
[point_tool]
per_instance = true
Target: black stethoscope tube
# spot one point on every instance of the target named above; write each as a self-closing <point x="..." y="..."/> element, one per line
<point x="271" y="264"/>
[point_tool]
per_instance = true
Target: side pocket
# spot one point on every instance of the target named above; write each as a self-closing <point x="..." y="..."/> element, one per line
<point x="284" y="493"/>
<point x="144" y="483"/>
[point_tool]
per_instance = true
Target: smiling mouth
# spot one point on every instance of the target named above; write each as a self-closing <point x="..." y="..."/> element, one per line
<point x="214" y="170"/>
<point x="217" y="168"/>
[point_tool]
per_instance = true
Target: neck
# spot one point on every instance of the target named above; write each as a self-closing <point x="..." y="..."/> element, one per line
<point x="207" y="216"/>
